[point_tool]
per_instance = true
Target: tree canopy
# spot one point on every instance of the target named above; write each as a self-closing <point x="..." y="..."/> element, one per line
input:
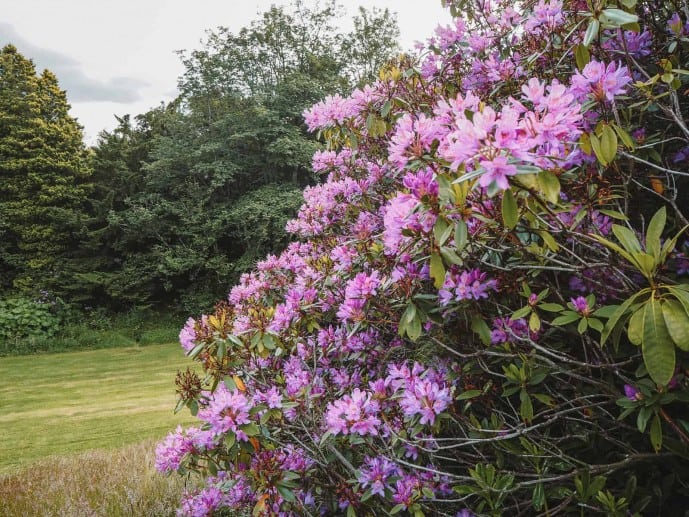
<point x="44" y="173"/>
<point x="177" y="187"/>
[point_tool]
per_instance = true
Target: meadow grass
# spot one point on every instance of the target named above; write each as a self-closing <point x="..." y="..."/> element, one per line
<point x="112" y="483"/>
<point x="60" y="404"/>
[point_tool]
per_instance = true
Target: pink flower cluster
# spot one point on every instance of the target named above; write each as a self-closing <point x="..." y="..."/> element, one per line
<point x="355" y="413"/>
<point x="467" y="285"/>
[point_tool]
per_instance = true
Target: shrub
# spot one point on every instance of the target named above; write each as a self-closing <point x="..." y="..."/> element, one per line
<point x="488" y="309"/>
<point x="24" y="321"/>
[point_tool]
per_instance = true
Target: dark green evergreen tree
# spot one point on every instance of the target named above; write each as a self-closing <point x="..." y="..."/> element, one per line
<point x="43" y="175"/>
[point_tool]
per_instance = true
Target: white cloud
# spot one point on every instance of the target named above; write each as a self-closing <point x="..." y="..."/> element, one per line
<point x="79" y="86"/>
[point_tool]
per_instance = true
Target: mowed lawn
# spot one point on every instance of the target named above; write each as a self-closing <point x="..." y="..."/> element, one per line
<point x="59" y="404"/>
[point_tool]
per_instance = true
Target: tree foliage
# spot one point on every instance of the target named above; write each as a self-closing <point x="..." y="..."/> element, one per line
<point x="43" y="179"/>
<point x="174" y="189"/>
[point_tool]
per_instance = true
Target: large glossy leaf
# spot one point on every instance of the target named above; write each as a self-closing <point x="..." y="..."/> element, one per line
<point x="657" y="346"/>
<point x="510" y="211"/>
<point x="550" y="186"/>
<point x="591" y="32"/>
<point x="619" y="312"/>
<point x="614" y="247"/>
<point x="608" y="144"/>
<point x="437" y="270"/>
<point x="677" y="323"/>
<point x="627" y="238"/>
<point x="617" y="17"/>
<point x="654" y="232"/>
<point x="636" y="325"/>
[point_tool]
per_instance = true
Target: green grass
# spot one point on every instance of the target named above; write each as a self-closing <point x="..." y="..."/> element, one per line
<point x="65" y="403"/>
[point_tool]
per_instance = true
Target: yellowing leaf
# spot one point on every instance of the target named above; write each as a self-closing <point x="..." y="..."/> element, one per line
<point x="608" y="144"/>
<point x="437" y="270"/>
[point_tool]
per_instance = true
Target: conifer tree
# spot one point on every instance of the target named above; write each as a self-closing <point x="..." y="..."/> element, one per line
<point x="43" y="174"/>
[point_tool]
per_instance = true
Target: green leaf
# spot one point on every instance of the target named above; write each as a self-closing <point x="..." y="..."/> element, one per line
<point x="645" y="413"/>
<point x="550" y="186"/>
<point x="385" y="111"/>
<point x="251" y="429"/>
<point x="654" y="232"/>
<point x="677" y="322"/>
<point x="461" y="235"/>
<point x="596" y="324"/>
<point x="582" y="56"/>
<point x="520" y="313"/>
<point x="510" y="211"/>
<point x="480" y="327"/>
<point x="591" y="32"/>
<point x="286" y="493"/>
<point x="597" y="149"/>
<point x="469" y="394"/>
<point x="608" y="143"/>
<point x="437" y="270"/>
<point x="441" y="231"/>
<point x="627" y="238"/>
<point x="413" y="328"/>
<point x="619" y="312"/>
<point x="614" y="18"/>
<point x="551" y="307"/>
<point x="605" y="312"/>
<point x="582" y="326"/>
<point x="614" y="247"/>
<point x="549" y="241"/>
<point x="567" y="317"/>
<point x="657" y="346"/>
<point x="450" y="256"/>
<point x="538" y="497"/>
<point x="656" y="434"/>
<point x="626" y="138"/>
<point x="526" y="406"/>
<point x="636" y="326"/>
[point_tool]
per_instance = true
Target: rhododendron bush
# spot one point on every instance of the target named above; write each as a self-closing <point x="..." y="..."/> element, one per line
<point x="486" y="308"/>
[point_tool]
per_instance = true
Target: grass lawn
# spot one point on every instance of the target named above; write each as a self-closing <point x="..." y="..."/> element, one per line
<point x="60" y="404"/>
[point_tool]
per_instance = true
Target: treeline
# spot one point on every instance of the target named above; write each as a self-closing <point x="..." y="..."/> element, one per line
<point x="170" y="207"/>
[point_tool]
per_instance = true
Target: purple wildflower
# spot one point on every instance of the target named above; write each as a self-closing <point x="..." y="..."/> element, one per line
<point x="632" y="393"/>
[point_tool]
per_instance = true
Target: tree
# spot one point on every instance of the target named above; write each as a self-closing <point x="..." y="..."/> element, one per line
<point x="43" y="178"/>
<point x="235" y="131"/>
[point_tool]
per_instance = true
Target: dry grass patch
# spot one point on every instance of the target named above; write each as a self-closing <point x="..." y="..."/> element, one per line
<point x="113" y="483"/>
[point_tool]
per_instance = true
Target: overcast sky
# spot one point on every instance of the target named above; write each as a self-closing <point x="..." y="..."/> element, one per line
<point x="118" y="57"/>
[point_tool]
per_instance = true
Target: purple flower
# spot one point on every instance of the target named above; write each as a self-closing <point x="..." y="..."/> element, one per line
<point x="581" y="305"/>
<point x="467" y="285"/>
<point x="425" y="398"/>
<point x="681" y="156"/>
<point x="202" y="503"/>
<point x="226" y="411"/>
<point x="506" y="329"/>
<point x="375" y="474"/>
<point x="497" y="170"/>
<point x="601" y="81"/>
<point x="355" y="413"/>
<point x="632" y="393"/>
<point x="359" y="289"/>
<point x="187" y="335"/>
